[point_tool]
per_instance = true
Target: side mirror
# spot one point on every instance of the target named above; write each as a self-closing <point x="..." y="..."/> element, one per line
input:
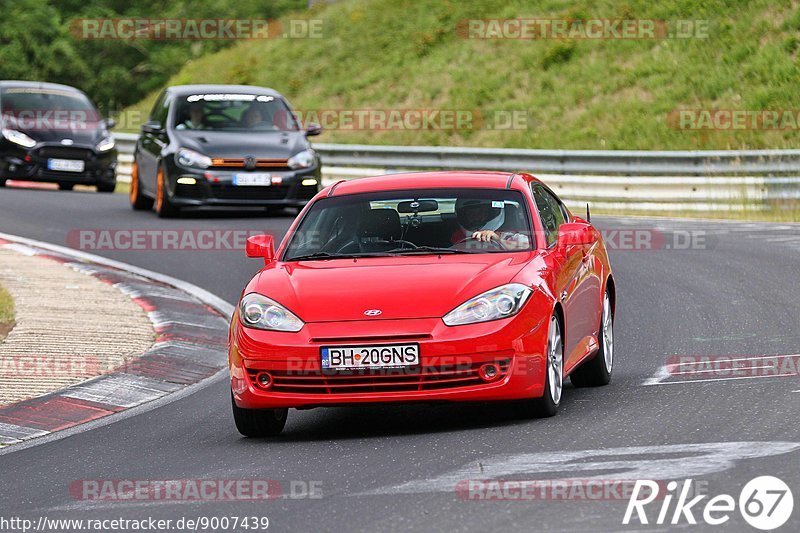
<point x="261" y="246"/>
<point x="575" y="233"/>
<point x="313" y="129"/>
<point x="152" y="126"/>
<point x="110" y="123"/>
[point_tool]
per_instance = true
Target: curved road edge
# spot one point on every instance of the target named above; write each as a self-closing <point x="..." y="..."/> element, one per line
<point x="189" y="354"/>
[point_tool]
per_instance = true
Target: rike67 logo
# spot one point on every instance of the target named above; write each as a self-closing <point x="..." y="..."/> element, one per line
<point x="766" y="503"/>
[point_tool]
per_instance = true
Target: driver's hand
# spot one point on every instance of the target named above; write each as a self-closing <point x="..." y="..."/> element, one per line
<point x="485" y="235"/>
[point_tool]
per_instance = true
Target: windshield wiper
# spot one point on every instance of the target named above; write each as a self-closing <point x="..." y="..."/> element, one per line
<point x="428" y="250"/>
<point x="329" y="255"/>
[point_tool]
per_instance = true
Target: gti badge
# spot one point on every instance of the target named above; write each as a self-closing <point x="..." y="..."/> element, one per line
<point x="373" y="312"/>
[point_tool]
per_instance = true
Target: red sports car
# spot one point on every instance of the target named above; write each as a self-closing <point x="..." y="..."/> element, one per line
<point x="422" y="287"/>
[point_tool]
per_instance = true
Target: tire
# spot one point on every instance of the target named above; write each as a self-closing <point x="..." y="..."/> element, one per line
<point x="163" y="205"/>
<point x="596" y="372"/>
<point x="106" y="187"/>
<point x="139" y="202"/>
<point x="66" y="186"/>
<point x="547" y="405"/>
<point x="259" y="422"/>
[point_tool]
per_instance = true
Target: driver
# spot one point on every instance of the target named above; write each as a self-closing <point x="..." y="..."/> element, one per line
<point x="196" y="118"/>
<point x="481" y="220"/>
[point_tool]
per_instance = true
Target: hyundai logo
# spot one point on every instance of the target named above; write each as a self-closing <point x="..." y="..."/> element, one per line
<point x="67" y="142"/>
<point x="373" y="312"/>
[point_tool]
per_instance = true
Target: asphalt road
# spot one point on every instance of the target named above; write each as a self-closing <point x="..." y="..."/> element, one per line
<point x="734" y="292"/>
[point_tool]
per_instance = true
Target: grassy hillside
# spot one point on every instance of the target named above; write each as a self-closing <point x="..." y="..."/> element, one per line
<point x="582" y="94"/>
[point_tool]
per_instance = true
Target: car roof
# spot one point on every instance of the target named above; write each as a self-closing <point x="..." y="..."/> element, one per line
<point x="22" y="84"/>
<point x="431" y="180"/>
<point x="181" y="90"/>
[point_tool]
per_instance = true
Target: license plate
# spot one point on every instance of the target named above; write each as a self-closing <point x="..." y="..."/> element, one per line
<point x="253" y="179"/>
<point x="66" y="165"/>
<point x="384" y="356"/>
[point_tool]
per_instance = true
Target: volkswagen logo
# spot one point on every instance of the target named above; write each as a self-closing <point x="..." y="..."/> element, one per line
<point x="373" y="312"/>
<point x="250" y="162"/>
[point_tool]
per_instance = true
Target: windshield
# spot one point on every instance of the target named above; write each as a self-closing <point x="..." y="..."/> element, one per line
<point x="413" y="222"/>
<point x="234" y="112"/>
<point x="32" y="108"/>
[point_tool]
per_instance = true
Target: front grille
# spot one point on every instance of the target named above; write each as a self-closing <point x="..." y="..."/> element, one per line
<point x="233" y="192"/>
<point x="239" y="162"/>
<point x="377" y="380"/>
<point x="58" y="152"/>
<point x="188" y="191"/>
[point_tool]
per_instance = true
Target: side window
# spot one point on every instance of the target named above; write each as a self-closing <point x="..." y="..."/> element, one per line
<point x="161" y="114"/>
<point x="551" y="212"/>
<point x="160" y="109"/>
<point x="158" y="105"/>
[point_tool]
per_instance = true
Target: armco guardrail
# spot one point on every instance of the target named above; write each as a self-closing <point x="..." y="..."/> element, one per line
<point x="632" y="180"/>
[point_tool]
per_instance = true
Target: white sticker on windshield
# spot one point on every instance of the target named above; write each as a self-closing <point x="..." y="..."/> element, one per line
<point x="496" y="203"/>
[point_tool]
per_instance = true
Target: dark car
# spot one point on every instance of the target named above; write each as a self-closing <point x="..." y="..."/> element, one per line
<point x="223" y="146"/>
<point x="53" y="133"/>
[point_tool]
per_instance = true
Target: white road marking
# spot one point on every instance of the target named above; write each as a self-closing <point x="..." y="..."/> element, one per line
<point x="675" y="461"/>
<point x="13" y="434"/>
<point x="667" y="371"/>
<point x="683" y="381"/>
<point x="660" y="375"/>
<point x="733" y="358"/>
<point x="121" y="390"/>
<point x="22" y="249"/>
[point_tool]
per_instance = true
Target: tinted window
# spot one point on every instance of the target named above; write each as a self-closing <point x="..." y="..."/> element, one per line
<point x="551" y="212"/>
<point x="233" y="112"/>
<point x="402" y="221"/>
<point x="46" y="109"/>
<point x="160" y="110"/>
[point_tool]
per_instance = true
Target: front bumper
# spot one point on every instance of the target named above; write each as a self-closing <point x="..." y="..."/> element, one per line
<point x="18" y="163"/>
<point x="215" y="188"/>
<point x="449" y="359"/>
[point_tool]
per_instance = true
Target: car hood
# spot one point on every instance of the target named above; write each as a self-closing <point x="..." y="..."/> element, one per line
<point x="85" y="134"/>
<point x="400" y="287"/>
<point x="268" y="145"/>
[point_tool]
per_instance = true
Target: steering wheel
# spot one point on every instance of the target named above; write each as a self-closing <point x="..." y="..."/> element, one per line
<point x="498" y="244"/>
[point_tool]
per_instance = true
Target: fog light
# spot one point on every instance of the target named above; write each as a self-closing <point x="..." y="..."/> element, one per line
<point x="187" y="181"/>
<point x="264" y="380"/>
<point x="309" y="182"/>
<point x="488" y="372"/>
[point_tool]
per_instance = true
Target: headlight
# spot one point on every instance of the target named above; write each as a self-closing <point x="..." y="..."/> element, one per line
<point x="501" y="302"/>
<point x="17" y="137"/>
<point x="260" y="312"/>
<point x="190" y="158"/>
<point x="105" y="145"/>
<point x="302" y="159"/>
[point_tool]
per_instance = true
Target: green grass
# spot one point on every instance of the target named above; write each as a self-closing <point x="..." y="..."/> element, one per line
<point x="6" y="313"/>
<point x="577" y="94"/>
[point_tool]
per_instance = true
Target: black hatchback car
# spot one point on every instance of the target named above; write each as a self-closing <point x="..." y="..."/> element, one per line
<point x="223" y="146"/>
<point x="53" y="133"/>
